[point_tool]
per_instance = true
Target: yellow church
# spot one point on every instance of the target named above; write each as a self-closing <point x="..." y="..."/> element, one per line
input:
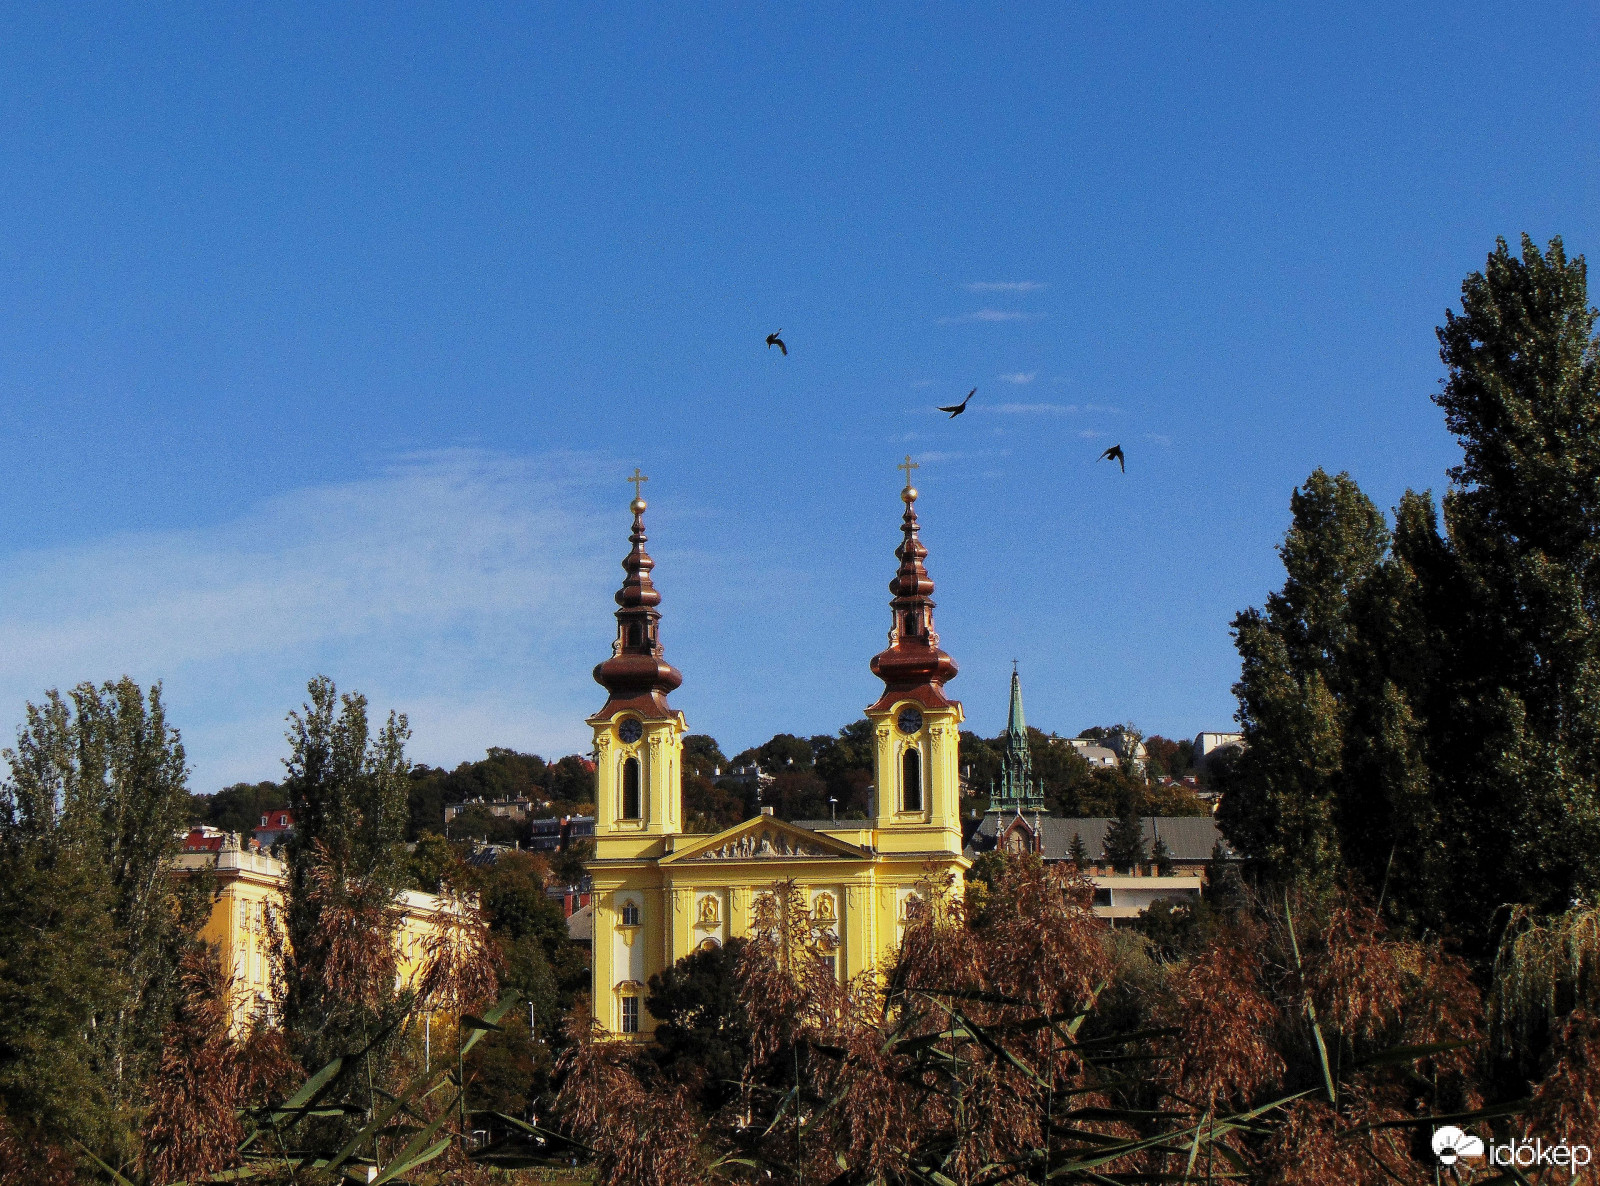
<point x="660" y="893"/>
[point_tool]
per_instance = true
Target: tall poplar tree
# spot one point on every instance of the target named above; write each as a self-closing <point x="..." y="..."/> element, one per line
<point x="348" y="789"/>
<point x="92" y="927"/>
<point x="1423" y="711"/>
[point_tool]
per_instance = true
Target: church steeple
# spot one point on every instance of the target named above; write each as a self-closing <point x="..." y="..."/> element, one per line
<point x="636" y="676"/>
<point x="1017" y="792"/>
<point x="913" y="666"/>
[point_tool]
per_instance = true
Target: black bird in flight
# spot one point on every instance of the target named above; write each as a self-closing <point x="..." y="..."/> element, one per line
<point x="956" y="409"/>
<point x="1115" y="454"/>
<point x="775" y="340"/>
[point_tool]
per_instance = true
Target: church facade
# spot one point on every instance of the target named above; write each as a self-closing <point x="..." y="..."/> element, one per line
<point x="660" y="894"/>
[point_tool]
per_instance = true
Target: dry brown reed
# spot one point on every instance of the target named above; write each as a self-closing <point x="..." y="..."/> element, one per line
<point x="639" y="1133"/>
<point x="29" y="1158"/>
<point x="459" y="971"/>
<point x="192" y="1126"/>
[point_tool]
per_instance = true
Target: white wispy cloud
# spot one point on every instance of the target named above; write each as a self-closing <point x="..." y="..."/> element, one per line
<point x="452" y="586"/>
<point x="1158" y="437"/>
<point x="1004" y="286"/>
<point x="1048" y="409"/>
<point x="990" y="315"/>
<point x="1018" y="377"/>
<point x="1089" y="433"/>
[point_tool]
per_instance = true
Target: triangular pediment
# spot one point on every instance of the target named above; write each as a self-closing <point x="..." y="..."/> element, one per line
<point x="765" y="839"/>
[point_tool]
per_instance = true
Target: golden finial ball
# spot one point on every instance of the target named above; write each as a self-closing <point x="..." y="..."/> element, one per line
<point x="637" y="506"/>
<point x="909" y="495"/>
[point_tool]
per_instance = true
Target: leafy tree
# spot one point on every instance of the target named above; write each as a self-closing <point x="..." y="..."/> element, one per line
<point x="345" y="861"/>
<point x="1280" y="803"/>
<point x="477" y="822"/>
<point x="844" y="763"/>
<point x="572" y="786"/>
<point x="433" y="863"/>
<point x="92" y="926"/>
<point x="703" y="756"/>
<point x="237" y="808"/>
<point x="1124" y="840"/>
<point x="1078" y="852"/>
<point x="1161" y="858"/>
<point x="703" y="1035"/>
<point x="1423" y="711"/>
<point x="1165" y="756"/>
<point x="709" y="806"/>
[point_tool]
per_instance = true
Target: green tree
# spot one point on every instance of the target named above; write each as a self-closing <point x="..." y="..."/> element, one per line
<point x="92" y="925"/>
<point x="703" y="1035"/>
<point x="1161" y="858"/>
<point x="1125" y="838"/>
<point x="346" y="863"/>
<point x="237" y="808"/>
<point x="1078" y="852"/>
<point x="703" y="756"/>
<point x="1280" y="801"/>
<point x="1523" y="520"/>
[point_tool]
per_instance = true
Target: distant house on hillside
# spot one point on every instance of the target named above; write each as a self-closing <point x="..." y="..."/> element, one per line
<point x="1092" y="752"/>
<point x="513" y="809"/>
<point x="275" y="825"/>
<point x="553" y="835"/>
<point x="1207" y="744"/>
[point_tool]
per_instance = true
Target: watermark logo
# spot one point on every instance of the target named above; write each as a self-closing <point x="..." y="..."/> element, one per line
<point x="1450" y="1145"/>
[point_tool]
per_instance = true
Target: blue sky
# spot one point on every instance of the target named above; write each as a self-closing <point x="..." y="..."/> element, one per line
<point x="327" y="335"/>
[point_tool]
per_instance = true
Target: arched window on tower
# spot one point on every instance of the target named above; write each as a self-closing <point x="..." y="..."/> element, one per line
<point x="633" y="634"/>
<point x="909" y="629"/>
<point x="911" y="780"/>
<point x="630" y="788"/>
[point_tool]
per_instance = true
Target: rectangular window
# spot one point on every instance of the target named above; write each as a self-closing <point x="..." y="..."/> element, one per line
<point x="630" y="1015"/>
<point x="630" y="914"/>
<point x="832" y="962"/>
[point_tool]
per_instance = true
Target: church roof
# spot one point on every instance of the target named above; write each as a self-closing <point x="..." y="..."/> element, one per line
<point x="636" y="676"/>
<point x="913" y="667"/>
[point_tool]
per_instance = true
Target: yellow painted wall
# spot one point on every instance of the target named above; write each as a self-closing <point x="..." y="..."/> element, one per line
<point x="249" y="887"/>
<point x="866" y="868"/>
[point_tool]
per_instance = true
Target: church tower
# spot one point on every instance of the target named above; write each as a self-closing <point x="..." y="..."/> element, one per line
<point x="1018" y="792"/>
<point x="638" y="736"/>
<point x="916" y="727"/>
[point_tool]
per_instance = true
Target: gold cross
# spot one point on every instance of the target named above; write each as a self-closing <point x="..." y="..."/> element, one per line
<point x="908" y="465"/>
<point x="638" y="479"/>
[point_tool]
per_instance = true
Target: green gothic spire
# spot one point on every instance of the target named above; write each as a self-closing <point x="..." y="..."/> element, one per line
<point x="1018" y="792"/>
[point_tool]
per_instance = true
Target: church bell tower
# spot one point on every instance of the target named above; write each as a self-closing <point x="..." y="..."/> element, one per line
<point x="916" y="728"/>
<point x="638" y="736"/>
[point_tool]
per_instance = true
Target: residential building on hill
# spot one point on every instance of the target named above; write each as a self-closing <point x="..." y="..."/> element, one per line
<point x="553" y="835"/>
<point x="660" y="893"/>
<point x="512" y="809"/>
<point x="276" y="825"/>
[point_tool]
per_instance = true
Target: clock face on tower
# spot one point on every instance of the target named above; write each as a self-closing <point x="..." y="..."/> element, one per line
<point x="910" y="720"/>
<point x="630" y="731"/>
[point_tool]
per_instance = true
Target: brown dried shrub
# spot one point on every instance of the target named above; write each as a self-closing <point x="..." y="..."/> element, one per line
<point x="641" y="1131"/>
<point x="29" y="1158"/>
<point x="1566" y="1102"/>
<point x="1223" y="1053"/>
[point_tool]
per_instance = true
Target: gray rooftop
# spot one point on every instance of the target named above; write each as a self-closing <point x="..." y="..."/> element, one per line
<point x="1187" y="837"/>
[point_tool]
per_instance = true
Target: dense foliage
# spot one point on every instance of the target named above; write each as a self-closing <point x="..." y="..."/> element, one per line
<point x="1422" y="707"/>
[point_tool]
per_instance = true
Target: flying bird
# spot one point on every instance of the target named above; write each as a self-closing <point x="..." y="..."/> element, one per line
<point x="774" y="340"/>
<point x="956" y="409"/>
<point x="1115" y="454"/>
